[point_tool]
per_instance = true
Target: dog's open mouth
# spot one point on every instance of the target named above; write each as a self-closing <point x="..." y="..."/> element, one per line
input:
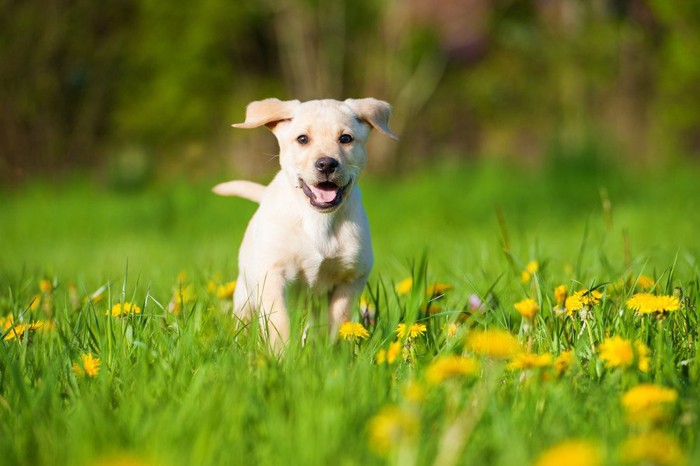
<point x="325" y="195"/>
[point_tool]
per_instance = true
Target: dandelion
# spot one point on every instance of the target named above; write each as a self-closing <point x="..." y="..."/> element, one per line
<point x="447" y="367"/>
<point x="123" y="309"/>
<point x="582" y="300"/>
<point x="431" y="307"/>
<point x="225" y="290"/>
<point x="413" y="392"/>
<point x="645" y="282"/>
<point x="45" y="286"/>
<point x="563" y="362"/>
<point x="646" y="303"/>
<point x="648" y="402"/>
<point x="527" y="308"/>
<point x="493" y="343"/>
<point x="17" y="330"/>
<point x="435" y="290"/>
<point x="380" y="357"/>
<point x="389" y="355"/>
<point x="452" y="329"/>
<point x="560" y="294"/>
<point x="35" y="302"/>
<point x="89" y="366"/>
<point x="404" y="286"/>
<point x="391" y="427"/>
<point x="572" y="453"/>
<point x="183" y="295"/>
<point x="414" y="331"/>
<point x="530" y="361"/>
<point x="530" y="269"/>
<point x="654" y="447"/>
<point x="393" y="352"/>
<point x="353" y="331"/>
<point x="618" y="352"/>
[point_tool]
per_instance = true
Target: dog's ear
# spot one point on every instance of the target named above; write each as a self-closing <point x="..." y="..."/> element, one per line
<point x="267" y="112"/>
<point x="373" y="111"/>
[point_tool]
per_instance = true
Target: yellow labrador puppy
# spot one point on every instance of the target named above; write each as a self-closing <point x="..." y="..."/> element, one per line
<point x="311" y="225"/>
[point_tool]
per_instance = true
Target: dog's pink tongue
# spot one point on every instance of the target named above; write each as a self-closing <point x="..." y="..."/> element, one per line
<point x="324" y="192"/>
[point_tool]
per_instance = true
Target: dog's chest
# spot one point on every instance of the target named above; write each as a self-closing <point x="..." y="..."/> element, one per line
<point x="333" y="256"/>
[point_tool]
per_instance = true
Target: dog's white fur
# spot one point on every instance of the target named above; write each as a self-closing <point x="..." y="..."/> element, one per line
<point x="311" y="225"/>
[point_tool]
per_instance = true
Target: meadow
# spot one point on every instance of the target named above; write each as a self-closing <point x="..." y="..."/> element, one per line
<point x="513" y="317"/>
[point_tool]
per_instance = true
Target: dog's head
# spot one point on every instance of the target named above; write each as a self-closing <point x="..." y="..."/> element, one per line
<point x="322" y="142"/>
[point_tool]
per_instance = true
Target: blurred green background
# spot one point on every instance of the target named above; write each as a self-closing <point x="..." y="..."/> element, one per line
<point x="136" y="90"/>
<point x="115" y="121"/>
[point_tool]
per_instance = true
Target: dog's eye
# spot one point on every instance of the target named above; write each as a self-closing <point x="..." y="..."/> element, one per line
<point x="303" y="139"/>
<point x="345" y="139"/>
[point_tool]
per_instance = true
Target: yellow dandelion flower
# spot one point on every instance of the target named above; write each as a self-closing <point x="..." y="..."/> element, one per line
<point x="380" y="358"/>
<point x="366" y="306"/>
<point x="527" y="308"/>
<point x="533" y="267"/>
<point x="431" y="307"/>
<point x="183" y="295"/>
<point x="225" y="290"/>
<point x="213" y="284"/>
<point x="654" y="447"/>
<point x="393" y="352"/>
<point x="45" y="286"/>
<point x="572" y="453"/>
<point x="447" y="367"/>
<point x="563" y="362"/>
<point x="35" y="302"/>
<point x="123" y="309"/>
<point x="353" y="331"/>
<point x="16" y="331"/>
<point x="645" y="282"/>
<point x="529" y="361"/>
<point x="389" y="355"/>
<point x="530" y="269"/>
<point x="391" y="427"/>
<point x="646" y="303"/>
<point x="413" y="392"/>
<point x="414" y="331"/>
<point x="437" y="289"/>
<point x="560" y="294"/>
<point x="404" y="286"/>
<point x="525" y="276"/>
<point x="573" y="303"/>
<point x="618" y="352"/>
<point x="643" y="359"/>
<point x="648" y="402"/>
<point x="493" y="343"/>
<point x="6" y="322"/>
<point x="89" y="365"/>
<point x="452" y="329"/>
<point x="582" y="298"/>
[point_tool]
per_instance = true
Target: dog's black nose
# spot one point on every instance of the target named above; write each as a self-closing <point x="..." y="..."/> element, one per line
<point x="326" y="165"/>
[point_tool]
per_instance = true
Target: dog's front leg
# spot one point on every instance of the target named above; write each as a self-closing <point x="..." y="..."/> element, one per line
<point x="274" y="319"/>
<point x="342" y="298"/>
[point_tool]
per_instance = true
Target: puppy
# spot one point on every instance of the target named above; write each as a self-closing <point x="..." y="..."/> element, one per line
<point x="311" y="225"/>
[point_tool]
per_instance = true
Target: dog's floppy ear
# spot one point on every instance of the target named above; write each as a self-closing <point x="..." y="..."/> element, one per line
<point x="267" y="112"/>
<point x="373" y="111"/>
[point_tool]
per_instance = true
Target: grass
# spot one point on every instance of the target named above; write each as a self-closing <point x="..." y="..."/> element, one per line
<point x="194" y="387"/>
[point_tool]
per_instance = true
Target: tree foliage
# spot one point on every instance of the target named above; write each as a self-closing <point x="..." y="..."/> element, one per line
<point x="80" y="80"/>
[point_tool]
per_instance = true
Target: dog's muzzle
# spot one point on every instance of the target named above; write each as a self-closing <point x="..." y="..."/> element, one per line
<point x="325" y="196"/>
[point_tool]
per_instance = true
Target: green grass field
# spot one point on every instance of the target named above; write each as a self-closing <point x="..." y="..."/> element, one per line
<point x="583" y="376"/>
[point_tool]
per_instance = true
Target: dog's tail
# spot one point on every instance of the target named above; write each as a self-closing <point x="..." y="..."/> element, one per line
<point x="245" y="189"/>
